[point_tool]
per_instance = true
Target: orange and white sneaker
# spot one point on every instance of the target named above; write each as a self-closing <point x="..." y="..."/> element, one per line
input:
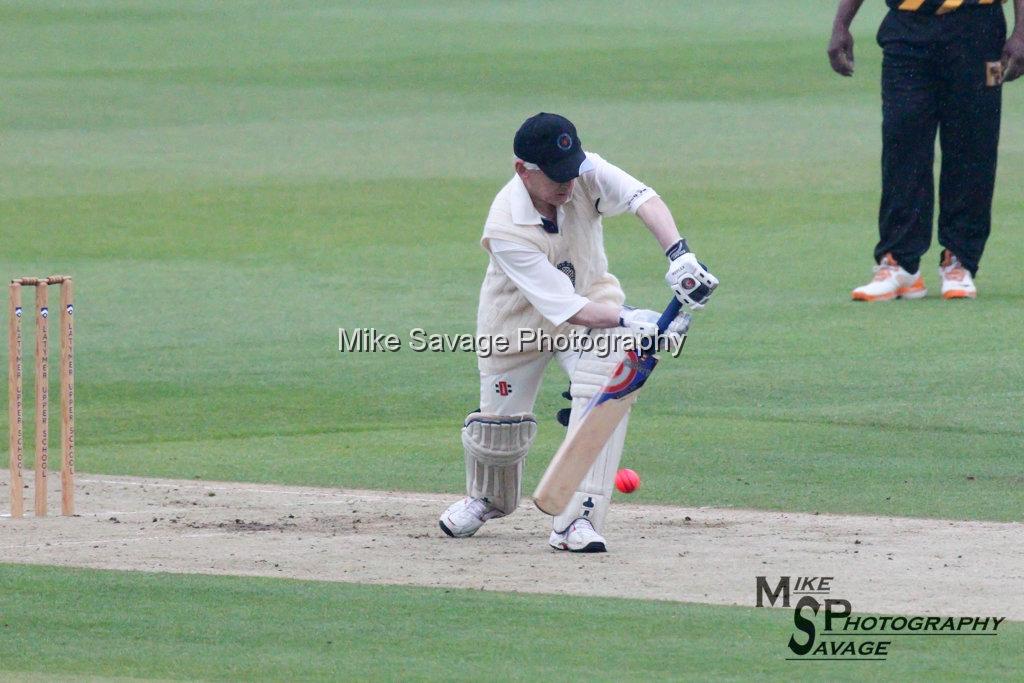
<point x="957" y="282"/>
<point x="891" y="281"/>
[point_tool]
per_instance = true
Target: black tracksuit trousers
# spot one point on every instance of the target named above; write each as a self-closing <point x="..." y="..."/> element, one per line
<point x="934" y="79"/>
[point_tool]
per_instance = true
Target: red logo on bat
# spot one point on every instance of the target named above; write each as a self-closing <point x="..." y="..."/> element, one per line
<point x="623" y="374"/>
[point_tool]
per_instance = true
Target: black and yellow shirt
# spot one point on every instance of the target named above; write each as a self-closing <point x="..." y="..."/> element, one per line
<point x="936" y="6"/>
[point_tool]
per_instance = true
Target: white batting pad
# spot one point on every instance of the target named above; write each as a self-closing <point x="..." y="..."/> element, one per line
<point x="496" y="448"/>
<point x="594" y="494"/>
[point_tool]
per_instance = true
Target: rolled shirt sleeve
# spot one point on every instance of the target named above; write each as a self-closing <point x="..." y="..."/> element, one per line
<point x="617" y="191"/>
<point x="547" y="288"/>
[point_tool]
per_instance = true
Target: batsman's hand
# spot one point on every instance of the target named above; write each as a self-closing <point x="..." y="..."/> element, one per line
<point x="689" y="279"/>
<point x="840" y="51"/>
<point x="644" y="323"/>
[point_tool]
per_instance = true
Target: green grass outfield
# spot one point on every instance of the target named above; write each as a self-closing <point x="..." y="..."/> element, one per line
<point x="105" y="624"/>
<point x="230" y="183"/>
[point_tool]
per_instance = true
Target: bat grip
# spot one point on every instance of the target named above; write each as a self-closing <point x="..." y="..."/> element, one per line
<point x="669" y="315"/>
<point x="647" y="345"/>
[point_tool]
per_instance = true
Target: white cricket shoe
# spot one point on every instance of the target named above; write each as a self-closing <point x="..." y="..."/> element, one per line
<point x="891" y="281"/>
<point x="957" y="282"/>
<point x="464" y="518"/>
<point x="578" y="537"/>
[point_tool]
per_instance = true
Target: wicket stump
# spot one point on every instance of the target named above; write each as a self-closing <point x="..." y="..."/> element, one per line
<point x="42" y="389"/>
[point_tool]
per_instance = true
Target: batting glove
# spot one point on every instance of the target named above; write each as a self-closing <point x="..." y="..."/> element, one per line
<point x="688" y="277"/>
<point x="644" y="323"/>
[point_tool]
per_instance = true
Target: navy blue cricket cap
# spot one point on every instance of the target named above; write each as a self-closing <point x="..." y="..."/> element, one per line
<point x="550" y="141"/>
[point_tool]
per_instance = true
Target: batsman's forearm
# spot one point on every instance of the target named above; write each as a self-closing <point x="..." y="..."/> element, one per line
<point x="597" y="315"/>
<point x="656" y="216"/>
<point x="847" y="10"/>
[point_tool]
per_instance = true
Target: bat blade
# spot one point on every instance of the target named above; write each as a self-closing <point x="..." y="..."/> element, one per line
<point x="602" y="415"/>
<point x="577" y="454"/>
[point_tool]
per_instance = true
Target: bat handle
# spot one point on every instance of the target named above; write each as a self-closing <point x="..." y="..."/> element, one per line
<point x="669" y="315"/>
<point x="648" y="345"/>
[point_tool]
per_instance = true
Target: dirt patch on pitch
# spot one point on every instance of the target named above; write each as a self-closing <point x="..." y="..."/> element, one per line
<point x="709" y="555"/>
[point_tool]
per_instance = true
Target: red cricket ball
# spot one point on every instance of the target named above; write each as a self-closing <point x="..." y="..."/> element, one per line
<point x="627" y="481"/>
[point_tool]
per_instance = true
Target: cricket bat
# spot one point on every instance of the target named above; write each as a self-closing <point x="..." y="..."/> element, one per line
<point x="601" y="416"/>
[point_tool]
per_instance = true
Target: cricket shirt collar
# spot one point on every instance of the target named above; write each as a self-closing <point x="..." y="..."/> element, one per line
<point x="525" y="213"/>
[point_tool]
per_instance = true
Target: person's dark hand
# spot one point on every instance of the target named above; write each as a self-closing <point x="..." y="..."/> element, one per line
<point x="1013" y="57"/>
<point x="840" y="51"/>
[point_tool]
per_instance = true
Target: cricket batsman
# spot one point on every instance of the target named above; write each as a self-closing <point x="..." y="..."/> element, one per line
<point x="548" y="272"/>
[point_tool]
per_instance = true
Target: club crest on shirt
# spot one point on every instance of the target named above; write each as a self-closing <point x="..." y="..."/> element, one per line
<point x="569" y="270"/>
